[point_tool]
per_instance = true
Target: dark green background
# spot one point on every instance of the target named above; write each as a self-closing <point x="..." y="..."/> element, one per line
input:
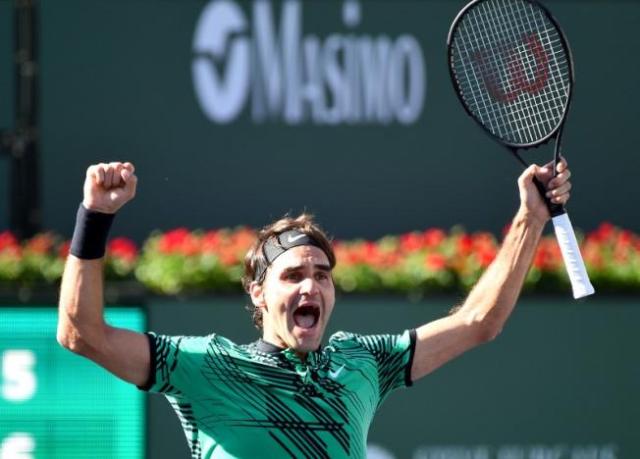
<point x="562" y="373"/>
<point x="6" y="101"/>
<point x="116" y="84"/>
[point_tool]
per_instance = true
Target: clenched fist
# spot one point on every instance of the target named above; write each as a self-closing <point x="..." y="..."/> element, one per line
<point x="108" y="187"/>
<point x="557" y="187"/>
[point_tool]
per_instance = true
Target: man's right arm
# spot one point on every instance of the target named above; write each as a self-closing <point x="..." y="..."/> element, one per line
<point x="81" y="325"/>
<point x="82" y="329"/>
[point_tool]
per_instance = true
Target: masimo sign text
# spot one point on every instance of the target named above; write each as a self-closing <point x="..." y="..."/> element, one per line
<point x="253" y="62"/>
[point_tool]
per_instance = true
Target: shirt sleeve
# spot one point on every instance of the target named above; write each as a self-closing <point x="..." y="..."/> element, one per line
<point x="173" y="361"/>
<point x="393" y="356"/>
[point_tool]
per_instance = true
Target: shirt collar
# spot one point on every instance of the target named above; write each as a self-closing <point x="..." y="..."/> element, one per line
<point x="268" y="348"/>
<point x="290" y="354"/>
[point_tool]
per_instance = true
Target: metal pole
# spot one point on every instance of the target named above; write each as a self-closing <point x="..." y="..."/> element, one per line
<point x="25" y="212"/>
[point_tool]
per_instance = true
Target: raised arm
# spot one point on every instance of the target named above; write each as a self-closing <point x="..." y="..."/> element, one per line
<point x="491" y="301"/>
<point x="81" y="325"/>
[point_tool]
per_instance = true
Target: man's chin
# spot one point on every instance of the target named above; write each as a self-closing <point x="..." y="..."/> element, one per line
<point x="307" y="340"/>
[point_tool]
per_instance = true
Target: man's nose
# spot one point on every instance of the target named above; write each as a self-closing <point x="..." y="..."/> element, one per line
<point x="308" y="286"/>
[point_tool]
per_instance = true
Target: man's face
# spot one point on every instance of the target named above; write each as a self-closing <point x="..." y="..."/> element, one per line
<point x="297" y="298"/>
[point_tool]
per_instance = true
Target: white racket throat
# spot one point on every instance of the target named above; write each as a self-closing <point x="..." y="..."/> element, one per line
<point x="580" y="283"/>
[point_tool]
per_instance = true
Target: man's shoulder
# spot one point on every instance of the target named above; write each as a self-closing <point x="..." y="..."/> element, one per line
<point x="348" y="347"/>
<point x="345" y="340"/>
<point x="342" y="336"/>
<point x="346" y="337"/>
<point x="372" y="342"/>
<point x="194" y="344"/>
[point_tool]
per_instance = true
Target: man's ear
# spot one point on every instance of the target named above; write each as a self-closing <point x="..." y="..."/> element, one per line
<point x="256" y="291"/>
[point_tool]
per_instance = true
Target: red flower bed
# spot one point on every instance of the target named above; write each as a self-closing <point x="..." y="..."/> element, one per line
<point x="42" y="257"/>
<point x="434" y="260"/>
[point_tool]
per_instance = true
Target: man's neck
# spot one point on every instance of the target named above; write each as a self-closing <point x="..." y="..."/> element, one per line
<point x="278" y="343"/>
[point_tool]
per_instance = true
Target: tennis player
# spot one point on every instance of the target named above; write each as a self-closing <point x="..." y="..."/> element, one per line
<point x="287" y="394"/>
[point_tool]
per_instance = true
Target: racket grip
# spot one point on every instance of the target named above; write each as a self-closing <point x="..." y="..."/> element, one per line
<point x="580" y="283"/>
<point x="554" y="209"/>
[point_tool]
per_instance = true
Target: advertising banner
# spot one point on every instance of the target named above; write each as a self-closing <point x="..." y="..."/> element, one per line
<point x="55" y="404"/>
<point x="238" y="111"/>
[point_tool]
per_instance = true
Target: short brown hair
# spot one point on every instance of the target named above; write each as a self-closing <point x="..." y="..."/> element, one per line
<point x="303" y="223"/>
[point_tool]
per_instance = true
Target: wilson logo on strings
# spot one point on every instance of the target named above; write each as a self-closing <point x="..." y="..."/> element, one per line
<point x="519" y="79"/>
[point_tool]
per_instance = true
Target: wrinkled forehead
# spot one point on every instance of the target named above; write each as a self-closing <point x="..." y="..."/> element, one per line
<point x="302" y="256"/>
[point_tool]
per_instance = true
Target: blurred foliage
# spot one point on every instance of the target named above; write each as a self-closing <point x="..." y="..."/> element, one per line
<point x="416" y="263"/>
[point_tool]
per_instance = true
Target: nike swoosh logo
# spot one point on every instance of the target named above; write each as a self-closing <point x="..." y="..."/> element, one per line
<point x="335" y="374"/>
<point x="292" y="239"/>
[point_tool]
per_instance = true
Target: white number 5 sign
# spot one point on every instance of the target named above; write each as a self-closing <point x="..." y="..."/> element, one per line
<point x="18" y="377"/>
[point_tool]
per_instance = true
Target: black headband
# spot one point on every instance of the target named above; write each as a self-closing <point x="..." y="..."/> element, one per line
<point x="279" y="244"/>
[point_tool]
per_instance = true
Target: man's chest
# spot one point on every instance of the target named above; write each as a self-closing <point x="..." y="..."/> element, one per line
<point x="326" y="393"/>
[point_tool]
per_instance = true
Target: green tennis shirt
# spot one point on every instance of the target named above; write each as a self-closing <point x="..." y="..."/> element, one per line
<point x="258" y="400"/>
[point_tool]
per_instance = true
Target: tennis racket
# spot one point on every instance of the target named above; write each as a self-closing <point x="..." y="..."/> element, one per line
<point x="512" y="70"/>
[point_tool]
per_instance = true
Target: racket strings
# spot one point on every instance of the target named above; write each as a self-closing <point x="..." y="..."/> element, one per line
<point x="512" y="69"/>
<point x="527" y="119"/>
<point x="530" y="117"/>
<point x="523" y="116"/>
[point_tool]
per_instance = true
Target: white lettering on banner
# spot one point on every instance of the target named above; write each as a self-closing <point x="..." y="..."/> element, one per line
<point x="378" y="452"/>
<point x="18" y="445"/>
<point x="297" y="78"/>
<point x="18" y="378"/>
<point x="502" y="452"/>
<point x="453" y="452"/>
<point x="222" y="98"/>
<point x="517" y="452"/>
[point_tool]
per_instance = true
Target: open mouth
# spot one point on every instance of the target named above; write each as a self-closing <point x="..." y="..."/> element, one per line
<point x="306" y="316"/>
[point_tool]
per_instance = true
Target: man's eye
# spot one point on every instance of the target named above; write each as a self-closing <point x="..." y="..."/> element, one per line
<point x="294" y="277"/>
<point x="322" y="276"/>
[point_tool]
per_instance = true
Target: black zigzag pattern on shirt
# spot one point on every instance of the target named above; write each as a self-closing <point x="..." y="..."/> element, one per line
<point x="189" y="425"/>
<point x="256" y="384"/>
<point x="391" y="365"/>
<point x="166" y="363"/>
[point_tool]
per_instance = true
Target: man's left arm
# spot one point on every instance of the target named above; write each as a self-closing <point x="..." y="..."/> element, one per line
<point x="491" y="301"/>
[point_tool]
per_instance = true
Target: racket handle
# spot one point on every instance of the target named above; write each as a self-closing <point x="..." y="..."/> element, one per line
<point x="554" y="209"/>
<point x="578" y="276"/>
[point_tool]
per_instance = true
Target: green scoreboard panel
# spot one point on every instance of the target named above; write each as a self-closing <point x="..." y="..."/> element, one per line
<point x="54" y="404"/>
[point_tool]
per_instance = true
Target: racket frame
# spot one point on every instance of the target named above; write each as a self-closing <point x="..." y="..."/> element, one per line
<point x="556" y="131"/>
<point x="564" y="231"/>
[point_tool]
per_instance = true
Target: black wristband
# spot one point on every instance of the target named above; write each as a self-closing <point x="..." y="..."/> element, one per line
<point x="90" y="234"/>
